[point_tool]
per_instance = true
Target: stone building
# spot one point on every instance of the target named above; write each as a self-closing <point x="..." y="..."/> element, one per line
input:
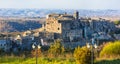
<point x="5" y="44"/>
<point x="63" y="26"/>
<point x="71" y="28"/>
<point x="91" y="26"/>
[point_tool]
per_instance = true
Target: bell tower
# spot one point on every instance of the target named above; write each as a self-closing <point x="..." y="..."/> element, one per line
<point x="76" y="15"/>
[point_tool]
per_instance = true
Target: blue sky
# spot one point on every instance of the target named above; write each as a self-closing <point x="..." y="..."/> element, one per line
<point x="61" y="4"/>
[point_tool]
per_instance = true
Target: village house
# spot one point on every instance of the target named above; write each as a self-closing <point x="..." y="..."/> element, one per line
<point x="5" y="45"/>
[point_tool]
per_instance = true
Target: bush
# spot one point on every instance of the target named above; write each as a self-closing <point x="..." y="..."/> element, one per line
<point x="38" y="51"/>
<point x="112" y="49"/>
<point x="82" y="55"/>
<point x="117" y="22"/>
<point x="1" y="50"/>
<point x="56" y="48"/>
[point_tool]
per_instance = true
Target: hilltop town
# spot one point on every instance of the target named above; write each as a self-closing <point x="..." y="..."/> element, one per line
<point x="71" y="30"/>
<point x="59" y="32"/>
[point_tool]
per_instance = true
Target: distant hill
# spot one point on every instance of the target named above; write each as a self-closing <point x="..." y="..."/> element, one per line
<point x="44" y="12"/>
<point x="19" y="25"/>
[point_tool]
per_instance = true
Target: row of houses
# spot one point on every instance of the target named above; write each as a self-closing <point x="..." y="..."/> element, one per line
<point x="21" y="42"/>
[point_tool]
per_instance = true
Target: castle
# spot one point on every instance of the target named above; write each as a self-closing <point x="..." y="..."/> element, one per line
<point x="71" y="28"/>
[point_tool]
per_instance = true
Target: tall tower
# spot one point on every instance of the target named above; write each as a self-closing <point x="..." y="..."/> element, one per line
<point x="76" y="15"/>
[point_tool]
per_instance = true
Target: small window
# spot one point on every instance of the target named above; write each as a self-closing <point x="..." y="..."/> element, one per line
<point x="58" y="28"/>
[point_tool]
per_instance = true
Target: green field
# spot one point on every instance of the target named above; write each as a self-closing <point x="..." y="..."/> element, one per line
<point x="114" y="61"/>
<point x="22" y="60"/>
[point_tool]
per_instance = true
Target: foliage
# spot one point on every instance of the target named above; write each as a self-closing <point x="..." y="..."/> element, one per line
<point x="115" y="61"/>
<point x="112" y="49"/>
<point x="38" y="51"/>
<point x="1" y="50"/>
<point x="41" y="60"/>
<point x="117" y="22"/>
<point x="56" y="48"/>
<point x="82" y="55"/>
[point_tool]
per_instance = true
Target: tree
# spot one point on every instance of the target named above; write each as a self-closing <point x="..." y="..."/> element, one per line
<point x="82" y="55"/>
<point x="111" y="50"/>
<point x="33" y="53"/>
<point x="56" y="48"/>
<point x="117" y="22"/>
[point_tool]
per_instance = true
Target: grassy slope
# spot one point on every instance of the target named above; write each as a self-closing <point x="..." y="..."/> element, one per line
<point x="20" y="60"/>
<point x="115" y="61"/>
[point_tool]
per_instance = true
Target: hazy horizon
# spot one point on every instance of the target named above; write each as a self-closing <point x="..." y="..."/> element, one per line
<point x="58" y="9"/>
<point x="61" y="4"/>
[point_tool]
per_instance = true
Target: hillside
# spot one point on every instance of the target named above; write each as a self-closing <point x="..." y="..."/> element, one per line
<point x="13" y="25"/>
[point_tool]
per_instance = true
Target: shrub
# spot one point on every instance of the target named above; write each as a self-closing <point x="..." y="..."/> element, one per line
<point x="56" y="48"/>
<point x="82" y="55"/>
<point x="38" y="51"/>
<point x="112" y="49"/>
<point x="117" y="22"/>
<point x="1" y="50"/>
